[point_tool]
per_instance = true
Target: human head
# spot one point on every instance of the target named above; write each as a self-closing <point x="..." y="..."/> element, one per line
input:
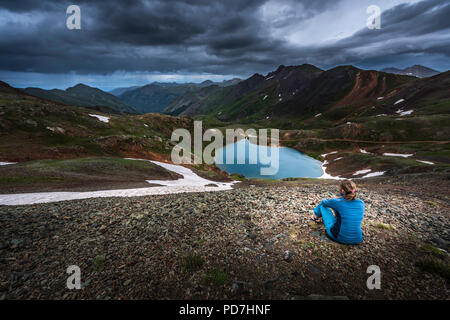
<point x="348" y="188"/>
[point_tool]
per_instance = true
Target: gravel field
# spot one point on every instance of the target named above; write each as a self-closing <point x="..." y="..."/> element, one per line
<point x="252" y="242"/>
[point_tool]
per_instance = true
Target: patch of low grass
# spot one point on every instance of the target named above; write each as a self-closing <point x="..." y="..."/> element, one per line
<point x="440" y="107"/>
<point x="293" y="232"/>
<point x="433" y="250"/>
<point x="431" y="203"/>
<point x="314" y="225"/>
<point x="91" y="164"/>
<point x="297" y="179"/>
<point x="97" y="166"/>
<point x="302" y="243"/>
<point x="384" y="226"/>
<point x="99" y="262"/>
<point x="201" y="241"/>
<point x="29" y="179"/>
<point x="435" y="266"/>
<point x="217" y="277"/>
<point x="193" y="262"/>
<point x="206" y="171"/>
<point x="238" y="177"/>
<point x="315" y="155"/>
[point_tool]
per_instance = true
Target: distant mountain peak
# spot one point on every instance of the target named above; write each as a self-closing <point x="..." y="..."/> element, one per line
<point x="256" y="76"/>
<point x="416" y="70"/>
<point x="4" y="85"/>
<point x="6" y="88"/>
<point x="80" y="85"/>
<point x="84" y="96"/>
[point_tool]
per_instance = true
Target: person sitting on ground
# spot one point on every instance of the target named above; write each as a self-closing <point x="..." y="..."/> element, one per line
<point x="344" y="226"/>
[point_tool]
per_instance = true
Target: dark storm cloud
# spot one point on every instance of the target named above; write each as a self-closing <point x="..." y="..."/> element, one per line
<point x="164" y="36"/>
<point x="422" y="28"/>
<point x="204" y="36"/>
<point x="406" y="21"/>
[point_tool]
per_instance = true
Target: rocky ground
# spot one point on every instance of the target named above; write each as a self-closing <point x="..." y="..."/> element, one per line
<point x="252" y="242"/>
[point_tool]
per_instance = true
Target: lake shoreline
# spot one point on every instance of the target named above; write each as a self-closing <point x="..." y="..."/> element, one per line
<point x="290" y="162"/>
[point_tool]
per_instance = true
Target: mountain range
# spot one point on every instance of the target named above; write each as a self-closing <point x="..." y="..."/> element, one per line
<point x="416" y="71"/>
<point x="84" y="96"/>
<point x="118" y="91"/>
<point x="289" y="91"/>
<point x="298" y="93"/>
<point x="155" y="97"/>
<point x="290" y="96"/>
<point x="317" y="111"/>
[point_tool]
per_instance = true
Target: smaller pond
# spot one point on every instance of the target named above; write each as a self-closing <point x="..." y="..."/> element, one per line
<point x="291" y="163"/>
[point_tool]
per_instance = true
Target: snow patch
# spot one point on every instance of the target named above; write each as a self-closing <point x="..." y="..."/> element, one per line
<point x="327" y="154"/>
<point x="189" y="177"/>
<point x="265" y="97"/>
<point x="426" y="162"/>
<point x="318" y="115"/>
<point x="6" y="163"/>
<point x="398" y="155"/>
<point x="404" y="113"/>
<point x="364" y="151"/>
<point x="374" y="174"/>
<point x="190" y="182"/>
<point x="357" y="173"/>
<point x="101" y="118"/>
<point x="399" y="101"/>
<point x="325" y="174"/>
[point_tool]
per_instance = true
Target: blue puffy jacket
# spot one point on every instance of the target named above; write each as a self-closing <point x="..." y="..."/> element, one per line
<point x="349" y="215"/>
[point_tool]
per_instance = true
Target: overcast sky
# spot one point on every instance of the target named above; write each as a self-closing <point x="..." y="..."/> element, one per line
<point x="134" y="42"/>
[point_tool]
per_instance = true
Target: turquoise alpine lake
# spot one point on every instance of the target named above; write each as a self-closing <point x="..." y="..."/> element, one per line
<point x="290" y="162"/>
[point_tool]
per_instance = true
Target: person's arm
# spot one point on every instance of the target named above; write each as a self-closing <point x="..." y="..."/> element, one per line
<point x="331" y="203"/>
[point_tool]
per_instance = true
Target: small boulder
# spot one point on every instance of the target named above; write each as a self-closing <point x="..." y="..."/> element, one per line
<point x="287" y="256"/>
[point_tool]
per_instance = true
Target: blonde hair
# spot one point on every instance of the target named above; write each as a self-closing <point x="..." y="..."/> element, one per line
<point x="349" y="188"/>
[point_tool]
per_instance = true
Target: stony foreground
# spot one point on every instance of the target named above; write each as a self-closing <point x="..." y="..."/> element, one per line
<point x="251" y="242"/>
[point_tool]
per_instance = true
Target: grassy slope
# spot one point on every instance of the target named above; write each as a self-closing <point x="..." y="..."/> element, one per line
<point x="25" y="133"/>
<point x="80" y="174"/>
<point x="154" y="98"/>
<point x="36" y="129"/>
